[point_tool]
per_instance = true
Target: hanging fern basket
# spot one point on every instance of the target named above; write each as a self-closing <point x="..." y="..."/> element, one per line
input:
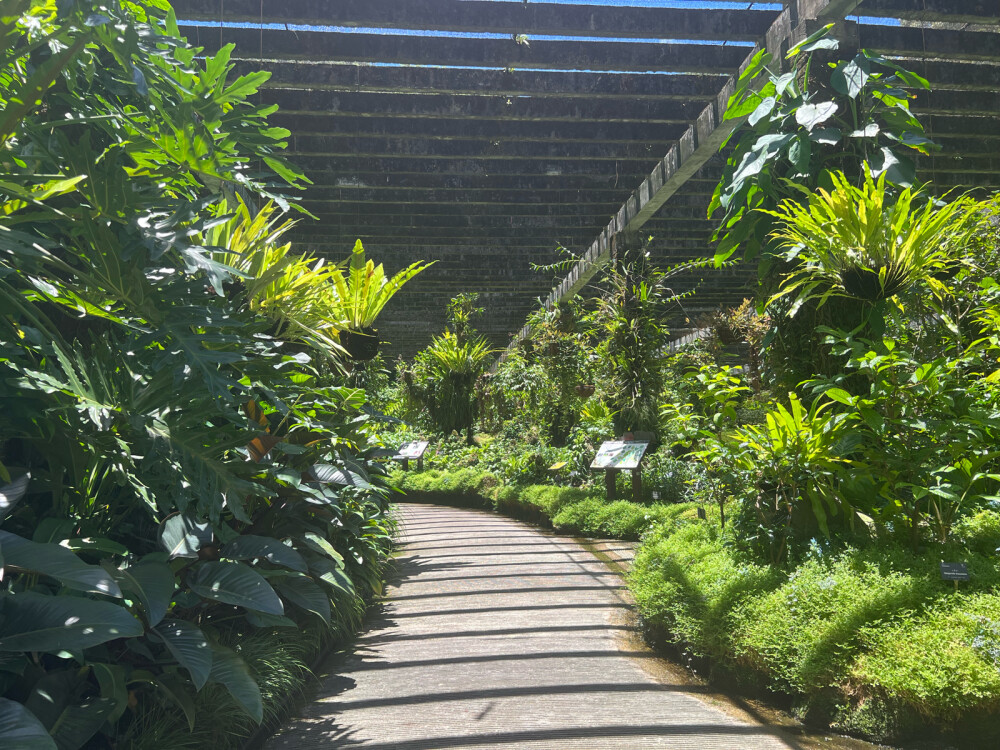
<point x="360" y="345"/>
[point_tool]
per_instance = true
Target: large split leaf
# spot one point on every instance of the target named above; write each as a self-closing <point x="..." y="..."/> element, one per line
<point x="57" y="562"/>
<point x="236" y="584"/>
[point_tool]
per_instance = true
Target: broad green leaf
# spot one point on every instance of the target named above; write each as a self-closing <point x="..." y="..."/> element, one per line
<point x="33" y="622"/>
<point x="850" y="77"/>
<point x="182" y="536"/>
<point x="332" y="575"/>
<point x="113" y="681"/>
<point x="236" y="584"/>
<point x="230" y="671"/>
<point x="840" y="396"/>
<point x="249" y="547"/>
<point x="262" y="620"/>
<point x="188" y="645"/>
<point x="763" y="110"/>
<point x="79" y="722"/>
<point x="11" y="493"/>
<point x="20" y="729"/>
<point x="305" y="593"/>
<point x="57" y="562"/>
<point x="817" y="40"/>
<point x="152" y="583"/>
<point x="811" y="115"/>
<point x="318" y="544"/>
<point x="178" y="691"/>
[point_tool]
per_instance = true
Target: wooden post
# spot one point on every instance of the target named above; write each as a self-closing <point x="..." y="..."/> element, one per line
<point x="406" y="464"/>
<point x="637" y="485"/>
<point x="420" y="462"/>
<point x="609" y="483"/>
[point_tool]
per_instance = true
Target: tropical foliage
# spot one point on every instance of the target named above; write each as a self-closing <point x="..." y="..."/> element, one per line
<point x="185" y="477"/>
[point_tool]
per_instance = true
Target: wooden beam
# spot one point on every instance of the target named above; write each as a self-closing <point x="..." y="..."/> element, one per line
<point x="537" y="18"/>
<point x="323" y="46"/>
<point x="953" y="11"/>
<point x="334" y="76"/>
<point x="369" y="104"/>
<point x="949" y="44"/>
<point x="462" y="148"/>
<point x="310" y="125"/>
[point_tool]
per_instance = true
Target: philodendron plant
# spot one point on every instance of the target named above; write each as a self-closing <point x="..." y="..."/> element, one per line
<point x="362" y="293"/>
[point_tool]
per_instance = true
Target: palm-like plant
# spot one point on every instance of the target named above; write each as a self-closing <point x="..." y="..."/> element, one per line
<point x="861" y="243"/>
<point x="362" y="293"/>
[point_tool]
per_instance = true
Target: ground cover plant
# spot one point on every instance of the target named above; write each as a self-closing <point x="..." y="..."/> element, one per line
<point x="187" y="509"/>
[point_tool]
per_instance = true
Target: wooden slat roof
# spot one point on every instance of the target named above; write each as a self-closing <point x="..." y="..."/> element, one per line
<point x="484" y="133"/>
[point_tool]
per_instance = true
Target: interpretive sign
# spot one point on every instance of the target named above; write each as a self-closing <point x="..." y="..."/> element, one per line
<point x="414" y="449"/>
<point x="619" y="454"/>
<point x="954" y="572"/>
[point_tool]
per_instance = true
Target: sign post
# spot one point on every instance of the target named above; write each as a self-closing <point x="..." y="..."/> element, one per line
<point x="621" y="455"/>
<point x="409" y="451"/>
<point x="955" y="572"/>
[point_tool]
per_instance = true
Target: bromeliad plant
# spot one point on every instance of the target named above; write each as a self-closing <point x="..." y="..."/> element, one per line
<point x="865" y="243"/>
<point x="362" y="293"/>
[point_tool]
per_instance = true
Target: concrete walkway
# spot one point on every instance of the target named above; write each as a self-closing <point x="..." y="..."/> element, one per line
<point x="497" y="635"/>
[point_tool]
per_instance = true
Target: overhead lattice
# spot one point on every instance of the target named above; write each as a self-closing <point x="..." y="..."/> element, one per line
<point x="483" y="133"/>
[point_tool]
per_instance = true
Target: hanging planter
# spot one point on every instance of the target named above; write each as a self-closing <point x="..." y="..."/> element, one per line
<point x="584" y="391"/>
<point x="553" y="348"/>
<point x="870" y="285"/>
<point x="361" y="345"/>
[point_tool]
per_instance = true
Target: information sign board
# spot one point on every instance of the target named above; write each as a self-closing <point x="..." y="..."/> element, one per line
<point x="619" y="454"/>
<point x="954" y="571"/>
<point x="414" y="449"/>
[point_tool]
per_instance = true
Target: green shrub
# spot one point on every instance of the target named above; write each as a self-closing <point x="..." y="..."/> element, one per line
<point x="621" y="519"/>
<point x="944" y="663"/>
<point x="979" y="533"/>
<point x="688" y="584"/>
<point x="805" y="634"/>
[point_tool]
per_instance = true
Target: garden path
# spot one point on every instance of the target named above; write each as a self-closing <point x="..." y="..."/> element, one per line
<point x="494" y="634"/>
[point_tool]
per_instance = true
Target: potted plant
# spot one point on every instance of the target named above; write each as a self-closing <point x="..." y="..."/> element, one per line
<point x="362" y="293"/>
<point x="584" y="390"/>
